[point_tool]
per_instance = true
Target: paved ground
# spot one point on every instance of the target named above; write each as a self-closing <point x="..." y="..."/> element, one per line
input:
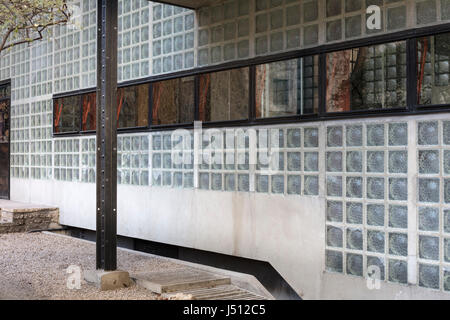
<point x="33" y="266"/>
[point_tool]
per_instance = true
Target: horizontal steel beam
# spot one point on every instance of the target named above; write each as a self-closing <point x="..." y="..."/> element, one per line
<point x="190" y="4"/>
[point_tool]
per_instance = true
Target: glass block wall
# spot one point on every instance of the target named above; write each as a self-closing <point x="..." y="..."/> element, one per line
<point x="367" y="199"/>
<point x="433" y="204"/>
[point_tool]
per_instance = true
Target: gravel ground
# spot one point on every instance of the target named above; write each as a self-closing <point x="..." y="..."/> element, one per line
<point x="33" y="266"/>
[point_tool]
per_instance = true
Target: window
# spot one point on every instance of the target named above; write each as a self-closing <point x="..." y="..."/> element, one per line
<point x="89" y="112"/>
<point x="287" y="88"/>
<point x="132" y="108"/>
<point x="173" y="101"/>
<point x="433" y="59"/>
<point x="67" y="114"/>
<point x="366" y="78"/>
<point x="224" y="95"/>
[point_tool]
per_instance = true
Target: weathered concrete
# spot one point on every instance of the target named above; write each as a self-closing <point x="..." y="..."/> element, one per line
<point x="108" y="280"/>
<point x="23" y="217"/>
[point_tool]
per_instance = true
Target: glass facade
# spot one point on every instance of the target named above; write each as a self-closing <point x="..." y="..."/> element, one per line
<point x="173" y="101"/>
<point x="287" y="88"/>
<point x="366" y="78"/>
<point x="224" y="95"/>
<point x="433" y="64"/>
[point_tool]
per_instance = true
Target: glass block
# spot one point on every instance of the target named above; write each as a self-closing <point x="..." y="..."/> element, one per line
<point x="230" y="182"/>
<point x="311" y="137"/>
<point x="354" y="213"/>
<point x="429" y="190"/>
<point x="277" y="184"/>
<point x="447" y="220"/>
<point x="334" y="237"/>
<point x="426" y="11"/>
<point x="398" y="134"/>
<point x="167" y="178"/>
<point x="262" y="183"/>
<point x="375" y="241"/>
<point x="354" y="264"/>
<point x="375" y="215"/>
<point x="243" y="183"/>
<point x="293" y="137"/>
<point x="398" y="244"/>
<point x="446" y="132"/>
<point x="354" y="239"/>
<point x="376" y="262"/>
<point x="216" y="181"/>
<point x="428" y="219"/>
<point x="398" y="271"/>
<point x="334" y="136"/>
<point x="294" y="184"/>
<point x="334" y="161"/>
<point x="375" y="188"/>
<point x="447" y="250"/>
<point x="429" y="247"/>
<point x="334" y="30"/>
<point x="398" y="188"/>
<point x="398" y="216"/>
<point x="156" y="142"/>
<point x="188" y="180"/>
<point x="375" y="161"/>
<point x="311" y="185"/>
<point x="447" y="162"/>
<point x="204" y="181"/>
<point x="398" y="162"/>
<point x="334" y="211"/>
<point x="293" y="161"/>
<point x="334" y="261"/>
<point x="353" y="26"/>
<point x="311" y="161"/>
<point x="354" y="187"/>
<point x="396" y="18"/>
<point x="354" y="136"/>
<point x="354" y="161"/>
<point x="447" y="190"/>
<point x="429" y="161"/>
<point x="429" y="276"/>
<point x="428" y="133"/>
<point x="334" y="186"/>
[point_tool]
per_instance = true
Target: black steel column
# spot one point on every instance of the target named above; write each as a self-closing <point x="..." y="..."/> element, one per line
<point x="106" y="175"/>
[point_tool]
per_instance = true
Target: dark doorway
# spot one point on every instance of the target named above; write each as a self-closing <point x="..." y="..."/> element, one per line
<point x="5" y="102"/>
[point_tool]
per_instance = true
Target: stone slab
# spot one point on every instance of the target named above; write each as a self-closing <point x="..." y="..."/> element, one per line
<point x="108" y="280"/>
<point x="179" y="280"/>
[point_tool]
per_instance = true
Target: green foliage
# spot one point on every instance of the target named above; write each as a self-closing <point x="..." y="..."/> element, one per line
<point x="24" y="21"/>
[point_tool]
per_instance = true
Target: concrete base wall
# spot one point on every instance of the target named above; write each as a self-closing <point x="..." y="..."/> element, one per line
<point x="288" y="232"/>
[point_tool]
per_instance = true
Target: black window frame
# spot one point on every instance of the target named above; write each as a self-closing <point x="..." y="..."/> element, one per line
<point x="412" y="107"/>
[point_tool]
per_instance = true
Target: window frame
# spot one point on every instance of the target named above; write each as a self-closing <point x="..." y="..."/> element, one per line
<point x="412" y="107"/>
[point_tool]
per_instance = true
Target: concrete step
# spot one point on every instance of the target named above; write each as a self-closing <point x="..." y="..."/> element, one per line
<point x="223" y="292"/>
<point x="179" y="280"/>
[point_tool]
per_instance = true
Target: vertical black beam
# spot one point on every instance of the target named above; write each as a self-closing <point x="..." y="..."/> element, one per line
<point x="322" y="84"/>
<point x="411" y="74"/>
<point x="106" y="176"/>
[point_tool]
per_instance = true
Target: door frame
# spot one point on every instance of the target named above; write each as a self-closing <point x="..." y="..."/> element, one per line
<point x="3" y="83"/>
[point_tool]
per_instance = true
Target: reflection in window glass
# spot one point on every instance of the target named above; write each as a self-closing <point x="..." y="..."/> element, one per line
<point x="89" y="109"/>
<point x="224" y="95"/>
<point x="67" y="114"/>
<point x="287" y="88"/>
<point x="367" y="78"/>
<point x="433" y="58"/>
<point x="173" y="101"/>
<point x="132" y="109"/>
